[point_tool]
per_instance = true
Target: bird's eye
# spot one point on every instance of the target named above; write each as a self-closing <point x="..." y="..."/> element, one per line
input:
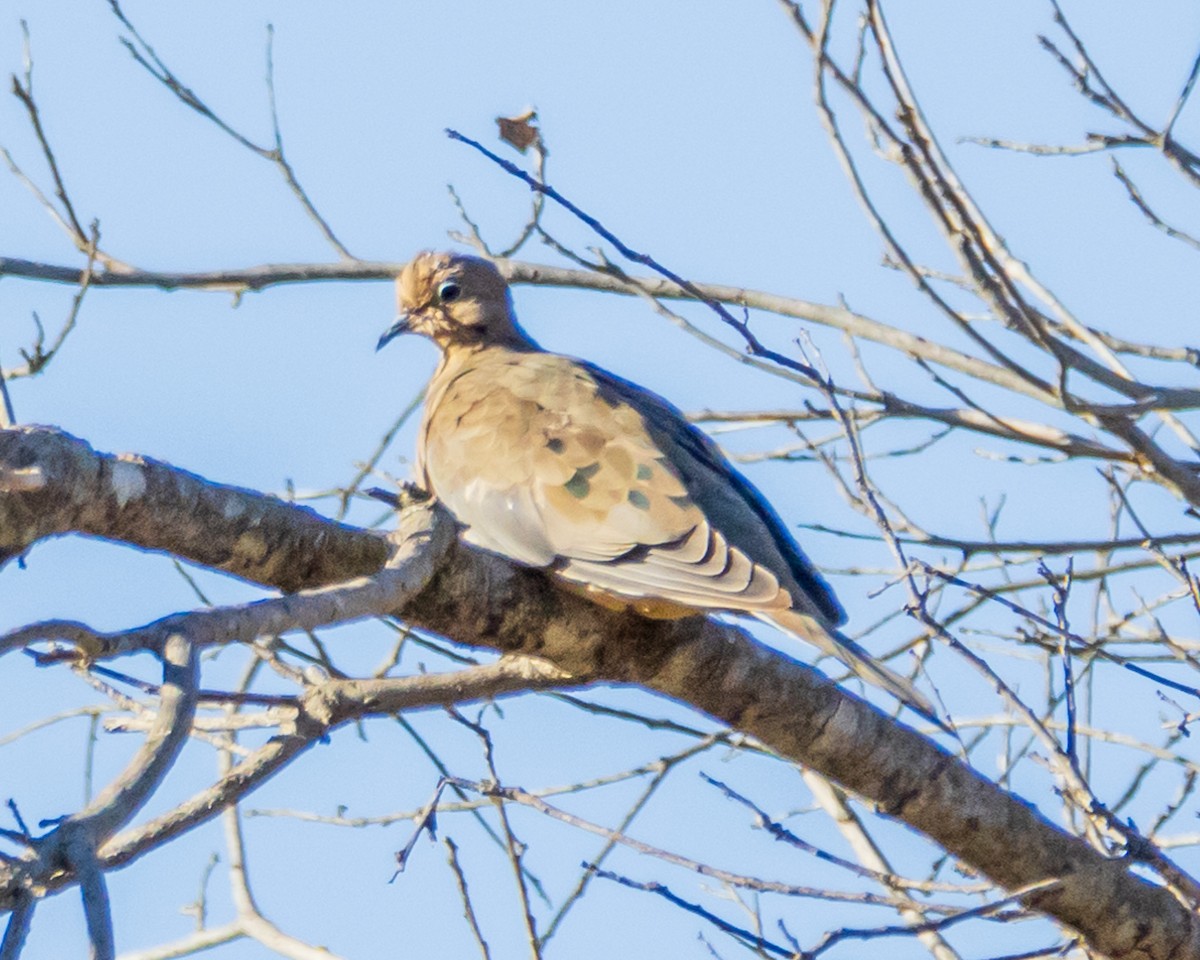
<point x="449" y="291"/>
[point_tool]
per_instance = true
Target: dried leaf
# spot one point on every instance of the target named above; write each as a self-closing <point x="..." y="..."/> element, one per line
<point x="519" y="131"/>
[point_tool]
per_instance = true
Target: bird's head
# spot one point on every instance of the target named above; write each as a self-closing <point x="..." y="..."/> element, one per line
<point x="454" y="300"/>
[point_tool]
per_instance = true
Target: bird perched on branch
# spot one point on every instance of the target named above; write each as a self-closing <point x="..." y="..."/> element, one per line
<point x="555" y="463"/>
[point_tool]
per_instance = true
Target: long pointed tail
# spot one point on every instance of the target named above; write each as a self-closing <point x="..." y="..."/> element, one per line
<point x="831" y="641"/>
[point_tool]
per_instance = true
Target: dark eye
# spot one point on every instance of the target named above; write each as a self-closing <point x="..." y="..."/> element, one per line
<point x="449" y="291"/>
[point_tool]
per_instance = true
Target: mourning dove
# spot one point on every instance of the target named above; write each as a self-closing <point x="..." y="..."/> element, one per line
<point x="555" y="463"/>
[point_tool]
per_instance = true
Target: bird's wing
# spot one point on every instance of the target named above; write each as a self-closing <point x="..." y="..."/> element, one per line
<point x="552" y="462"/>
<point x="731" y="504"/>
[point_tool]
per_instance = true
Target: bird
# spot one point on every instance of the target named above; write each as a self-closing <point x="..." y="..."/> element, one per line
<point x="554" y="463"/>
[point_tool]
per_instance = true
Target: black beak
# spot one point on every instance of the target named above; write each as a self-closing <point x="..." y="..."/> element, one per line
<point x="392" y="332"/>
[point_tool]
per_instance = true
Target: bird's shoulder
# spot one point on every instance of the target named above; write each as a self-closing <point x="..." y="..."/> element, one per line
<point x="541" y="460"/>
<point x="531" y="393"/>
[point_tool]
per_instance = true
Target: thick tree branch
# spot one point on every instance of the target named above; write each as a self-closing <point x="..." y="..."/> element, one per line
<point x="422" y="536"/>
<point x="155" y="506"/>
<point x="480" y="599"/>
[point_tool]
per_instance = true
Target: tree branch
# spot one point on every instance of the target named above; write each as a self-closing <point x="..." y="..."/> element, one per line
<point x="482" y="600"/>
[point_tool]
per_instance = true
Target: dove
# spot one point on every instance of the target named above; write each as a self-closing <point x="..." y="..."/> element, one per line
<point x="555" y="463"/>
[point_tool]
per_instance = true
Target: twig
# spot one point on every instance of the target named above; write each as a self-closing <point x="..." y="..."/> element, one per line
<point x="513" y="847"/>
<point x="1136" y="198"/>
<point x="665" y="766"/>
<point x="8" y="416"/>
<point x="741" y="325"/>
<point x="1061" y="592"/>
<point x="468" y="908"/>
<point x="67" y="219"/>
<point x="508" y="794"/>
<point x="143" y="53"/>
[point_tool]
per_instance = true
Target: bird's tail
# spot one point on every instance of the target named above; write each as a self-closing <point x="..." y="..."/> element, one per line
<point x="831" y="641"/>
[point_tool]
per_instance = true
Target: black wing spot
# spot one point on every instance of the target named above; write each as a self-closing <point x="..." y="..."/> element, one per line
<point x="578" y="485"/>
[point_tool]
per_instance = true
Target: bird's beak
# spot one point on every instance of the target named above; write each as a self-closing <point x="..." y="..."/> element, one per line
<point x="392" y="332"/>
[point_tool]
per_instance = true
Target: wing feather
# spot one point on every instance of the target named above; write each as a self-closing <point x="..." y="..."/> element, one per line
<point x="552" y="462"/>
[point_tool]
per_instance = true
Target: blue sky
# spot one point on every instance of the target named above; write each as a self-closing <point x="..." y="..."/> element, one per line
<point x="687" y="128"/>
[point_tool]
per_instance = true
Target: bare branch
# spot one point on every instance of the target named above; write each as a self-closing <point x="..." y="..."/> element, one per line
<point x="468" y="908"/>
<point x="1136" y="198"/>
<point x="146" y="57"/>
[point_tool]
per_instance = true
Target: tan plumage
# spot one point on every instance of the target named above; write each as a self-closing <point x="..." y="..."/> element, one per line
<point x="555" y="463"/>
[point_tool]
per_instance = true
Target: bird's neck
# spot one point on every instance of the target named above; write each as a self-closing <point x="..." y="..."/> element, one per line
<point x="507" y="337"/>
<point x="460" y="356"/>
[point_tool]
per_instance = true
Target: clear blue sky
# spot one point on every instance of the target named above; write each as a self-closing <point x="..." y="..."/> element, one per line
<point x="689" y="129"/>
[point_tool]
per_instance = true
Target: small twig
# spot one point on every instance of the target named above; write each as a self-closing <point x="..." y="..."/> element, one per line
<point x="751" y="939"/>
<point x="385" y="443"/>
<point x="463" y="892"/>
<point x="8" y="416"/>
<point x="1135" y="197"/>
<point x="665" y="766"/>
<point x="426" y="821"/>
<point x="984" y="910"/>
<point x="20" y="821"/>
<point x="779" y="832"/>
<point x="515" y="848"/>
<point x="476" y="814"/>
<point x="285" y="166"/>
<point x="1188" y="86"/>
<point x="198" y="908"/>
<point x="741" y="325"/>
<point x="1061" y="592"/>
<point x="525" y="798"/>
<point x="24" y="93"/>
<point x="146" y="57"/>
<point x="67" y="218"/>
